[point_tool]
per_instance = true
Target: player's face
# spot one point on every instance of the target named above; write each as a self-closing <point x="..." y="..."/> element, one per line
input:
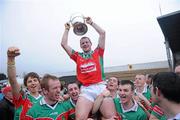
<point x="139" y="81"/>
<point x="112" y="83"/>
<point x="33" y="85"/>
<point x="85" y="45"/>
<point x="125" y="93"/>
<point x="54" y="90"/>
<point x="73" y="91"/>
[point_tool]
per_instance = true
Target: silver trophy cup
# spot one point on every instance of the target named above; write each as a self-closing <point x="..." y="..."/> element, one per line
<point x="77" y="20"/>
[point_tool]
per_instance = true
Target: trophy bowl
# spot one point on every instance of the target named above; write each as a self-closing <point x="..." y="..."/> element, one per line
<point x="77" y="20"/>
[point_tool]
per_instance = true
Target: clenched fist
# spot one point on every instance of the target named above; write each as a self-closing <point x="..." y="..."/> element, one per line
<point x="13" y="52"/>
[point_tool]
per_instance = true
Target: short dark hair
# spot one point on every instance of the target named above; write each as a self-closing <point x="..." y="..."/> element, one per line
<point x="118" y="81"/>
<point x="177" y="64"/>
<point x="32" y="75"/>
<point x="169" y="85"/>
<point x="127" y="82"/>
<point x="86" y="38"/>
<point x="150" y="76"/>
<point x="73" y="82"/>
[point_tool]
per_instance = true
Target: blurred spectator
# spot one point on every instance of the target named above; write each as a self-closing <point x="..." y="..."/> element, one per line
<point x="149" y="79"/>
<point x="165" y="92"/>
<point x="141" y="86"/>
<point x="177" y="69"/>
<point x="1" y="94"/>
<point x="6" y="106"/>
<point x="112" y="86"/>
<point x="3" y="76"/>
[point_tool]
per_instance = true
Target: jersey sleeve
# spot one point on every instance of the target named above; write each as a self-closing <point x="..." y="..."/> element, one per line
<point x="100" y="51"/>
<point x="157" y="112"/>
<point x="143" y="117"/>
<point x="74" y="55"/>
<point x="70" y="110"/>
<point x="29" y="115"/>
<point x="18" y="101"/>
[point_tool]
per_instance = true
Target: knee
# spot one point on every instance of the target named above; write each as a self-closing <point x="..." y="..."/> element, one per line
<point x="108" y="115"/>
<point x="108" y="108"/>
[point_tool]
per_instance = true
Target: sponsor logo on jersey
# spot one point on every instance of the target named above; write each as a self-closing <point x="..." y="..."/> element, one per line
<point x="88" y="67"/>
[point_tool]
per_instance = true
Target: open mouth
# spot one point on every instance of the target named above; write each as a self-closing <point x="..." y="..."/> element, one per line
<point x="123" y="97"/>
<point x="57" y="96"/>
<point x="34" y="87"/>
<point x="110" y="86"/>
<point x="75" y="95"/>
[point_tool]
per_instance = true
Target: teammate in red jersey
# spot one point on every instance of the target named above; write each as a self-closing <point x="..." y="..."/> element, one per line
<point x="90" y="72"/>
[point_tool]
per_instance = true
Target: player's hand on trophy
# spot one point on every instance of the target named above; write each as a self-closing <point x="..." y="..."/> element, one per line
<point x="89" y="20"/>
<point x="67" y="26"/>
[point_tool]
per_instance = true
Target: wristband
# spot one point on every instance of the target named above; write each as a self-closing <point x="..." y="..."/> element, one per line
<point x="11" y="63"/>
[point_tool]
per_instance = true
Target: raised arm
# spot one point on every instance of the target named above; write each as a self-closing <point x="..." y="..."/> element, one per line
<point x="101" y="32"/>
<point x="11" y="70"/>
<point x="64" y="42"/>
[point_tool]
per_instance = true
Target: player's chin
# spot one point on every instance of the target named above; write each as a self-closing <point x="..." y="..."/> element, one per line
<point x="86" y="50"/>
<point x="75" y="98"/>
<point x="57" y="97"/>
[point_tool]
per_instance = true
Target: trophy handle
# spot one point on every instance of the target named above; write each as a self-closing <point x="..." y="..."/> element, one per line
<point x="75" y="16"/>
<point x="71" y="19"/>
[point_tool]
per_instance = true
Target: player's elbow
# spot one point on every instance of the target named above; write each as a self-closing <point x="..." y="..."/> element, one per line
<point x="103" y="32"/>
<point x="63" y="44"/>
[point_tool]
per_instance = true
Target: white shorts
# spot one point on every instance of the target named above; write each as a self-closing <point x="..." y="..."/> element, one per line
<point x="92" y="91"/>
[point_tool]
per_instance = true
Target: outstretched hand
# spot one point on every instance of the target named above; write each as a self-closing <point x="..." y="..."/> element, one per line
<point x="13" y="52"/>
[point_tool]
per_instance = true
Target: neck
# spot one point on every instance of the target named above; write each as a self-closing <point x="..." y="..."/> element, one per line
<point x="140" y="89"/>
<point x="74" y="101"/>
<point x="128" y="105"/>
<point x="87" y="52"/>
<point x="35" y="94"/>
<point x="171" y="109"/>
<point x="49" y="102"/>
<point x="113" y="93"/>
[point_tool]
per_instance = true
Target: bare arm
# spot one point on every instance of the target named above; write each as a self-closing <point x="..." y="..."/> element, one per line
<point x="64" y="42"/>
<point x="11" y="70"/>
<point x="143" y="98"/>
<point x="101" y="32"/>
